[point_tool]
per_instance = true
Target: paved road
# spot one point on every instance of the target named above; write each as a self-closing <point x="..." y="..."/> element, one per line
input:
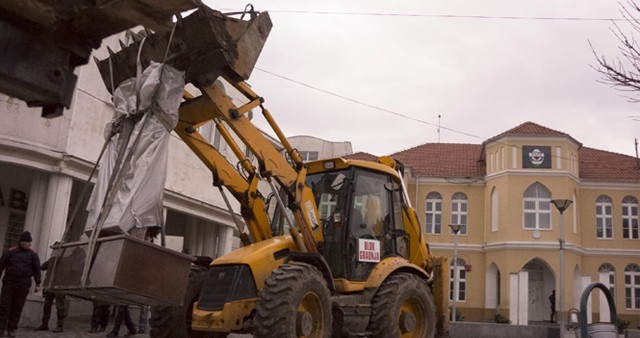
<point x="74" y="327"/>
<point x="78" y="327"/>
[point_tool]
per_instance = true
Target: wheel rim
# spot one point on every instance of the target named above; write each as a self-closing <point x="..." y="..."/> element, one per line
<point x="411" y="319"/>
<point x="311" y="307"/>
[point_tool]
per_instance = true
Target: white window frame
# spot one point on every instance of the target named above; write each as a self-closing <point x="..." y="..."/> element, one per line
<point x="459" y="202"/>
<point x="630" y="218"/>
<point x="608" y="270"/>
<point x="632" y="287"/>
<point x="433" y="209"/>
<point x="309" y="155"/>
<point x="541" y="197"/>
<point x="602" y="202"/>
<point x="327" y="206"/>
<point x="462" y="280"/>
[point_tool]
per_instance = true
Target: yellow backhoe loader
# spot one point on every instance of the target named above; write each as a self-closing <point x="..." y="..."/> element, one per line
<point x="345" y="255"/>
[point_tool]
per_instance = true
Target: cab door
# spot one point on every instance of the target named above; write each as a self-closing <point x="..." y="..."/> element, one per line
<point x="370" y="225"/>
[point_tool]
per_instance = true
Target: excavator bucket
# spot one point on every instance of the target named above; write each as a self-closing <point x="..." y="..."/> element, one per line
<point x="205" y="44"/>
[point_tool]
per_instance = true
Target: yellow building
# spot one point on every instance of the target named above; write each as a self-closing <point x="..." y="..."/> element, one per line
<point x="508" y="249"/>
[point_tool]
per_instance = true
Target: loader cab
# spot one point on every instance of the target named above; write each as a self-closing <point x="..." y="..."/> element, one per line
<point x="361" y="212"/>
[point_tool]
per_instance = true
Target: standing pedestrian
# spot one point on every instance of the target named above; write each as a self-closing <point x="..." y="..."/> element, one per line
<point x="99" y="317"/>
<point x="552" y="299"/>
<point x="143" y="320"/>
<point x="49" y="297"/>
<point x="123" y="315"/>
<point x="19" y="264"/>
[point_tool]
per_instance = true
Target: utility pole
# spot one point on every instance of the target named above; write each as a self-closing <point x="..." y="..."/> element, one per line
<point x="637" y="158"/>
<point x="439" y="128"/>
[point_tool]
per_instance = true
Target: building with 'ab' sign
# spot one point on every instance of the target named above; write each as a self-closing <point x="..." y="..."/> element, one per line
<point x="508" y="251"/>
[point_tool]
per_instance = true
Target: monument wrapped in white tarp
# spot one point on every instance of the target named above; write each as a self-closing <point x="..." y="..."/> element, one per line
<point x="137" y="202"/>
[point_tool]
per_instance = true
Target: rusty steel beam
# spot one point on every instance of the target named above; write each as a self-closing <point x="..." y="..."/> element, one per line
<point x="43" y="41"/>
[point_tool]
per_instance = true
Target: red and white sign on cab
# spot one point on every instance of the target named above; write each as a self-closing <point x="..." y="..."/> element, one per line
<point x="368" y="250"/>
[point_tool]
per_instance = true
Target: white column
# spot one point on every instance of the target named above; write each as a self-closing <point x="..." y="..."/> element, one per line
<point x="46" y="219"/>
<point x="523" y="298"/>
<point x="56" y="209"/>
<point x="48" y="210"/>
<point x="191" y="235"/>
<point x="225" y="240"/>
<point x="513" y="297"/>
<point x="605" y="316"/>
<point x="208" y="237"/>
<point x="35" y="211"/>
<point x="586" y="280"/>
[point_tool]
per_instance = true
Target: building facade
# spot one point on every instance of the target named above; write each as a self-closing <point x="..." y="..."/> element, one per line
<point x="45" y="165"/>
<point x="312" y="148"/>
<point x="508" y="251"/>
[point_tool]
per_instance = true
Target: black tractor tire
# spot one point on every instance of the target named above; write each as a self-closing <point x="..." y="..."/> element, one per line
<point x="175" y="321"/>
<point x="294" y="302"/>
<point x="403" y="307"/>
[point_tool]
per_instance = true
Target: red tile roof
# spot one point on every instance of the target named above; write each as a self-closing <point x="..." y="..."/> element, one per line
<point x="467" y="160"/>
<point x="603" y="165"/>
<point x="444" y="160"/>
<point x="531" y="129"/>
<point x="362" y="156"/>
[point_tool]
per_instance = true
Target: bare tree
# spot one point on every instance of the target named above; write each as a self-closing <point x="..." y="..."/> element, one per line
<point x="623" y="72"/>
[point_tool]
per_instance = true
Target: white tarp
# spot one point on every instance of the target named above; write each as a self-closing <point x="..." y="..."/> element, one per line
<point x="138" y="200"/>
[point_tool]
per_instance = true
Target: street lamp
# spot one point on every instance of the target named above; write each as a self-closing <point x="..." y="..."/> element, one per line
<point x="561" y="205"/>
<point x="456" y="229"/>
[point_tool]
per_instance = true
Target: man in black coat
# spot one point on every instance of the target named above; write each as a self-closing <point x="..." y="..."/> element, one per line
<point x="19" y="264"/>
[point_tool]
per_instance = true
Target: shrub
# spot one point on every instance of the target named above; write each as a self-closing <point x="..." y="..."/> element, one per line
<point x="500" y="319"/>
<point x="622" y="324"/>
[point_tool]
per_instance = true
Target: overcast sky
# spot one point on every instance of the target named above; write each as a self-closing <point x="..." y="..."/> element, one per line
<point x="421" y="59"/>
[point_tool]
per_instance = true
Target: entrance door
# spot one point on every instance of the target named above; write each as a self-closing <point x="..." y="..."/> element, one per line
<point x="536" y="296"/>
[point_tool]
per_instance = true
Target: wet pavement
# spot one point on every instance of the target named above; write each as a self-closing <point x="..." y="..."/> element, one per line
<point x="78" y="327"/>
<point x="74" y="327"/>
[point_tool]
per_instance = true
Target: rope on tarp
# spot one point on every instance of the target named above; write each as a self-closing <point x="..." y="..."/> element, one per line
<point x="123" y="161"/>
<point x="85" y="190"/>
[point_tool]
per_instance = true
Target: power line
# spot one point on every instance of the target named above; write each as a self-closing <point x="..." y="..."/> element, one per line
<point x="367" y="104"/>
<point x="416" y="119"/>
<point x="443" y="16"/>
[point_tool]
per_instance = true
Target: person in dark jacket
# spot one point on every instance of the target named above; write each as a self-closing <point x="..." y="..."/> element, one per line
<point x="19" y="264"/>
<point x="123" y="316"/>
<point x="49" y="297"/>
<point x="99" y="317"/>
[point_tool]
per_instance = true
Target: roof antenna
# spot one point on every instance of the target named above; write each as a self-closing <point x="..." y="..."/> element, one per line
<point x="439" y="131"/>
<point x="637" y="158"/>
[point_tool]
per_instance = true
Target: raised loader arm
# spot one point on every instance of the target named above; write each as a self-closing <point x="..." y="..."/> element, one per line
<point x="194" y="113"/>
<point x="272" y="163"/>
<point x="207" y="45"/>
<point x="215" y="105"/>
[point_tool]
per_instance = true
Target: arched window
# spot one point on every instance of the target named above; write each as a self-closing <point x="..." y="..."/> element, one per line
<point x="604" y="217"/>
<point x="608" y="276"/>
<point x="632" y="286"/>
<point x="459" y="211"/>
<point x="434" y="213"/>
<point x="630" y="217"/>
<point x="462" y="280"/>
<point x="494" y="210"/>
<point x="575" y="213"/>
<point x="537" y="207"/>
